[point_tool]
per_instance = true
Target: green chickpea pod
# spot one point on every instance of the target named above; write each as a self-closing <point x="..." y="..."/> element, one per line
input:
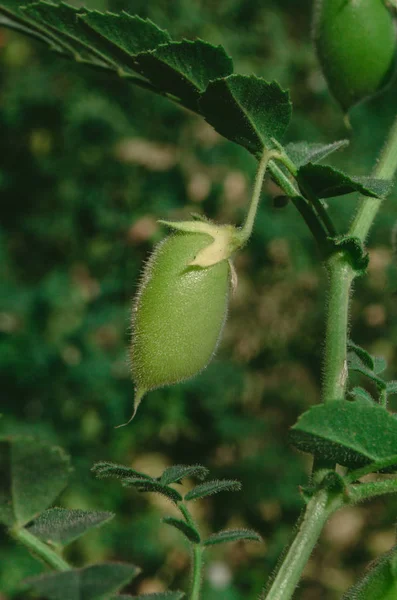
<point x="356" y="47"/>
<point x="181" y="305"/>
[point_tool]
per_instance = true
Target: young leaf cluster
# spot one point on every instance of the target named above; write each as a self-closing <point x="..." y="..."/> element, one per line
<point x="162" y="485"/>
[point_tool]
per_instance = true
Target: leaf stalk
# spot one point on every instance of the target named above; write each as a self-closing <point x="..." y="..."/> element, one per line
<point x="40" y="549"/>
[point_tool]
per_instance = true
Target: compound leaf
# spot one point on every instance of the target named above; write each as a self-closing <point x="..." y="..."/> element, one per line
<point x="32" y="474"/>
<point x="364" y="356"/>
<point x="352" y="434"/>
<point x="105" y="469"/>
<point x="176" y="473"/>
<point x="125" y="35"/>
<point x="232" y="535"/>
<point x="380" y="364"/>
<point x="391" y="387"/>
<point x="188" y="531"/>
<point x="90" y="583"/>
<point x="355" y="362"/>
<point x="60" y="526"/>
<point x="145" y="485"/>
<point x="326" y="182"/>
<point x="247" y="110"/>
<point x="184" y="69"/>
<point x="361" y="393"/>
<point x="213" y="487"/>
<point x="12" y="17"/>
<point x="302" y="153"/>
<point x="61" y="20"/>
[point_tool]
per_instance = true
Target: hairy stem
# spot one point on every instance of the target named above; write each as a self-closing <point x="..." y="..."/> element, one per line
<point x="197" y="571"/>
<point x="383" y="398"/>
<point x="40" y="549"/>
<point x="340" y="276"/>
<point x="298" y="553"/>
<point x="197" y="561"/>
<point x="384" y="169"/>
<point x="365" y="491"/>
<point x="371" y="468"/>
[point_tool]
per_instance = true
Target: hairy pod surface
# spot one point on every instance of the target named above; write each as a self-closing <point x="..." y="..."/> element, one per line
<point x="356" y="46"/>
<point x="178" y="314"/>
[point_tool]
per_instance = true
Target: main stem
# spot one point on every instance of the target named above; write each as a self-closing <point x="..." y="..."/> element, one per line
<point x="197" y="571"/>
<point x="384" y="169"/>
<point x="309" y="528"/>
<point x="40" y="549"/>
<point x="197" y="560"/>
<point x="341" y="275"/>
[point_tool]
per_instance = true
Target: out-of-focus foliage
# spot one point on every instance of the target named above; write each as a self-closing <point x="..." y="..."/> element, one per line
<point x="87" y="165"/>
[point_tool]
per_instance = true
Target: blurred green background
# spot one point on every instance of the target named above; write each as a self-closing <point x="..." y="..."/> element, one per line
<point x="87" y="165"/>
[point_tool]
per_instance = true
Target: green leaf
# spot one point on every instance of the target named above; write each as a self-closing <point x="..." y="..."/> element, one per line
<point x="91" y="583"/>
<point x="128" y="43"/>
<point x="302" y="153"/>
<point x="124" y="35"/>
<point x="360" y="393"/>
<point x="391" y="387"/>
<point x="232" y="535"/>
<point x="14" y="18"/>
<point x="355" y="363"/>
<point x="184" y="69"/>
<point x="144" y="485"/>
<point x="32" y="474"/>
<point x="379" y="582"/>
<point x="354" y="250"/>
<point x="352" y="434"/>
<point x="105" y="469"/>
<point x="155" y="596"/>
<point x="11" y="8"/>
<point x="364" y="356"/>
<point x="247" y="110"/>
<point x="213" y="487"/>
<point x="380" y="364"/>
<point x="176" y="473"/>
<point x="188" y="531"/>
<point x="59" y="526"/>
<point x="62" y="22"/>
<point x="326" y="182"/>
<point x="132" y="478"/>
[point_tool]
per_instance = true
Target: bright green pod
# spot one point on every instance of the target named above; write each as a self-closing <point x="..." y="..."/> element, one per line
<point x="179" y="312"/>
<point x="356" y="46"/>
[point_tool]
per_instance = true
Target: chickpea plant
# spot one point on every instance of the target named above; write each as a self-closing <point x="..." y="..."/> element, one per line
<point x="181" y="305"/>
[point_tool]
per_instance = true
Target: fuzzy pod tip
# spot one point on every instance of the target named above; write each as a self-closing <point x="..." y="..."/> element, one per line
<point x="139" y="394"/>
